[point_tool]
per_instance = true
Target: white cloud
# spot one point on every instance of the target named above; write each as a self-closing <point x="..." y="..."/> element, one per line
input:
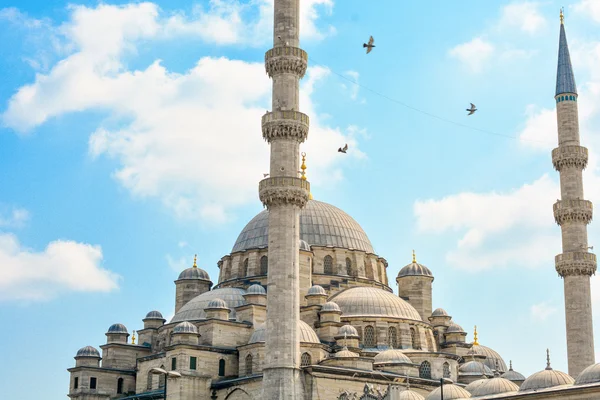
<point x="539" y="131"/>
<point x="590" y="8"/>
<point x="542" y="311"/>
<point x="12" y="217"/>
<point x="525" y="16"/>
<point x="64" y="266"/>
<point x="475" y="54"/>
<point x="178" y="264"/>
<point x="351" y="87"/>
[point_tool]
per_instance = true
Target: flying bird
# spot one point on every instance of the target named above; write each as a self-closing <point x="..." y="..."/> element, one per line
<point x="369" y="45"/>
<point x="281" y="40"/>
<point x="472" y="109"/>
<point x="265" y="175"/>
<point x="343" y="149"/>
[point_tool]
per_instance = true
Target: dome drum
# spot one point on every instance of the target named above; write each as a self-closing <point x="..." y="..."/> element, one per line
<point x="153" y="320"/>
<point x="117" y="333"/>
<point x="87" y="356"/>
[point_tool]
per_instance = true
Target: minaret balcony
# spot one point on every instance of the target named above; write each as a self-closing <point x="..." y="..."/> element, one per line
<point x="283" y="190"/>
<point x="285" y="125"/>
<point x="573" y="211"/>
<point x="286" y="60"/>
<point x="569" y="156"/>
<point x="575" y="263"/>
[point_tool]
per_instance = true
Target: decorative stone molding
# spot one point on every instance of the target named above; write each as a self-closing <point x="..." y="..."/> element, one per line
<point x="573" y="211"/>
<point x="285" y="59"/>
<point x="569" y="156"/>
<point x="284" y="190"/>
<point x="285" y="124"/>
<point x="575" y="263"/>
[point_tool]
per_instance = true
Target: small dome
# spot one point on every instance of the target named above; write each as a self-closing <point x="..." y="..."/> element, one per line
<point x="117" y="328"/>
<point x="513" y="375"/>
<point x="154" y="315"/>
<point x="217" y="303"/>
<point x="369" y="302"/>
<point x="391" y="356"/>
<point x="439" y="312"/>
<point x="415" y="269"/>
<point x="545" y="379"/>
<point x="348" y="330"/>
<point x="471" y="387"/>
<point x="455" y="328"/>
<point x="409" y="395"/>
<point x="491" y="357"/>
<point x="451" y="392"/>
<point x="185" y="327"/>
<point x="589" y="375"/>
<point x="494" y="386"/>
<point x="316" y="289"/>
<point x="194" y="273"/>
<point x="256" y="289"/>
<point x="330" y="306"/>
<point x="304" y="246"/>
<point x="307" y="334"/>
<point x="88" y="351"/>
<point x="345" y="353"/>
<point x="194" y="309"/>
<point x="474" y="368"/>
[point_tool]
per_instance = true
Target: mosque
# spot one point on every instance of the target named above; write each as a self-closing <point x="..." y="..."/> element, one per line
<point x="303" y="308"/>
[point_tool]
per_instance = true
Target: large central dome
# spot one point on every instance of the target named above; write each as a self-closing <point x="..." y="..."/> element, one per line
<point x="321" y="224"/>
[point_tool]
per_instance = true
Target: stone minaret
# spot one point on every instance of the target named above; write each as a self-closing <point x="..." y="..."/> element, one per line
<point x="284" y="193"/>
<point x="575" y="265"/>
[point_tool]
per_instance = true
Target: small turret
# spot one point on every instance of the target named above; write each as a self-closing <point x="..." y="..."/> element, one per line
<point x="117" y="333"/>
<point x="414" y="285"/>
<point x="191" y="282"/>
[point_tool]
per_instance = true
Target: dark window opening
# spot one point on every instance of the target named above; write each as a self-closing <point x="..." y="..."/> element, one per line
<point x="173" y="363"/>
<point x="120" y="386"/>
<point x="328" y="265"/>
<point x="221" y="367"/>
<point x="76" y="383"/>
<point x="92" y="383"/>
<point x="245" y="268"/>
<point x="193" y="361"/>
<point x="264" y="265"/>
<point x="369" y="336"/>
<point x="305" y="360"/>
<point x="425" y="370"/>
<point x="249" y="365"/>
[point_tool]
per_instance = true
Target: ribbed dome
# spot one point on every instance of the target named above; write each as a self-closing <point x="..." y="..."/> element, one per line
<point x="455" y="328"/>
<point x="471" y="387"/>
<point x="154" y="315"/>
<point x="321" y="224"/>
<point x="439" y="312"/>
<point x="348" y="330"/>
<point x="217" y="303"/>
<point x="256" y="289"/>
<point x="194" y="273"/>
<point x="494" y="386"/>
<point x="368" y="301"/>
<point x="117" y="328"/>
<point x="330" y="306"/>
<point x="513" y="375"/>
<point x="491" y="357"/>
<point x="185" y="327"/>
<point x="589" y="375"/>
<point x="194" y="309"/>
<point x="391" y="356"/>
<point x="474" y="368"/>
<point x="451" y="392"/>
<point x="409" y="395"/>
<point x="316" y="289"/>
<point x="88" y="351"/>
<point x="304" y="246"/>
<point x="307" y="334"/>
<point x="545" y="379"/>
<point x="415" y="269"/>
<point x="345" y="353"/>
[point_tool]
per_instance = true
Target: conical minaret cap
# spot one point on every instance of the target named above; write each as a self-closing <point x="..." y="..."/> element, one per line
<point x="565" y="79"/>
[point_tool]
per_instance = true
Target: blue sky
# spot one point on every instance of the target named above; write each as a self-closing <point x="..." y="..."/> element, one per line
<point x="130" y="140"/>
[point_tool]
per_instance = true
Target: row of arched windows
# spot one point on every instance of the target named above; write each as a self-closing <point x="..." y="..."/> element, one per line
<point x="370" y="339"/>
<point x="425" y="370"/>
<point x="566" y="98"/>
<point x="264" y="267"/>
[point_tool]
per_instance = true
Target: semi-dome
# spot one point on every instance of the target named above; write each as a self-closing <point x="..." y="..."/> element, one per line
<point x="589" y="375"/>
<point x="217" y="303"/>
<point x="194" y="309"/>
<point x="439" y="312"/>
<point x="194" y="273"/>
<point x="316" y="290"/>
<point x="321" y="224"/>
<point x="185" y="327"/>
<point x="474" y="368"/>
<point x="369" y="301"/>
<point x="117" y="328"/>
<point x="494" y="386"/>
<point x="330" y="306"/>
<point x="451" y="392"/>
<point x="391" y="356"/>
<point x="491" y="357"/>
<point x="256" y="289"/>
<point x="307" y="334"/>
<point x="348" y="330"/>
<point x="88" y="351"/>
<point x="154" y="315"/>
<point x="545" y="379"/>
<point x="513" y="375"/>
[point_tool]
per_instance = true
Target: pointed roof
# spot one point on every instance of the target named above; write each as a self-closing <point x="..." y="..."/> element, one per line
<point x="565" y="80"/>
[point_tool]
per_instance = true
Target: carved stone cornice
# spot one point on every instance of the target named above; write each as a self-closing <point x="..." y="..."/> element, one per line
<point x="286" y="60"/>
<point x="575" y="263"/>
<point x="573" y="211"/>
<point x="285" y="125"/>
<point x="569" y="156"/>
<point x="284" y="190"/>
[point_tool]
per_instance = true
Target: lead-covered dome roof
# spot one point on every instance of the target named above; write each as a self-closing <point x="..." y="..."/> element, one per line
<point x="154" y="315"/>
<point x="185" y="327"/>
<point x="451" y="392"/>
<point x="589" y="375"/>
<point x="307" y="334"/>
<point x="321" y="224"/>
<point x="369" y="301"/>
<point x="494" y="386"/>
<point x="545" y="379"/>
<point x="194" y="273"/>
<point x="117" y="328"/>
<point x="409" y="395"/>
<point x="88" y="351"/>
<point x="194" y="309"/>
<point x="491" y="357"/>
<point x="391" y="356"/>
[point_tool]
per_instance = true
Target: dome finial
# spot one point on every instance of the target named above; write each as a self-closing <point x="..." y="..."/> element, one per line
<point x="414" y="258"/>
<point x="195" y="257"/>
<point x="548" y="359"/>
<point x="475" y="342"/>
<point x="407" y="383"/>
<point x="562" y="16"/>
<point x="510" y="363"/>
<point x="303" y="172"/>
<point x="133" y="338"/>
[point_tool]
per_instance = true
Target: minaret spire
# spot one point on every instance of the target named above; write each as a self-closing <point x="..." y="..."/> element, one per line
<point x="572" y="213"/>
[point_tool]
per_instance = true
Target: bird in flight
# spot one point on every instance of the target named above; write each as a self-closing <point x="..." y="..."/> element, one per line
<point x="265" y="175"/>
<point x="369" y="45"/>
<point x="343" y="149"/>
<point x="472" y="109"/>
<point x="282" y="41"/>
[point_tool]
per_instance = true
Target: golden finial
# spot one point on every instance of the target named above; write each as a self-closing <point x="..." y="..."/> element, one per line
<point x="475" y="342"/>
<point x="414" y="257"/>
<point x="562" y="15"/>
<point x="303" y="172"/>
<point x="133" y="338"/>
<point x="195" y="265"/>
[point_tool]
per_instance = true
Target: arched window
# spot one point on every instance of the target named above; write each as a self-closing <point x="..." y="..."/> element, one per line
<point x="120" y="386"/>
<point x="328" y="265"/>
<point x="393" y="337"/>
<point x="305" y="360"/>
<point x="221" y="367"/>
<point x="349" y="266"/>
<point x="413" y="338"/>
<point x="446" y="368"/>
<point x="425" y="370"/>
<point x="264" y="265"/>
<point x="249" y="365"/>
<point x="368" y="270"/>
<point x="244" y="272"/>
<point x="369" y="336"/>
